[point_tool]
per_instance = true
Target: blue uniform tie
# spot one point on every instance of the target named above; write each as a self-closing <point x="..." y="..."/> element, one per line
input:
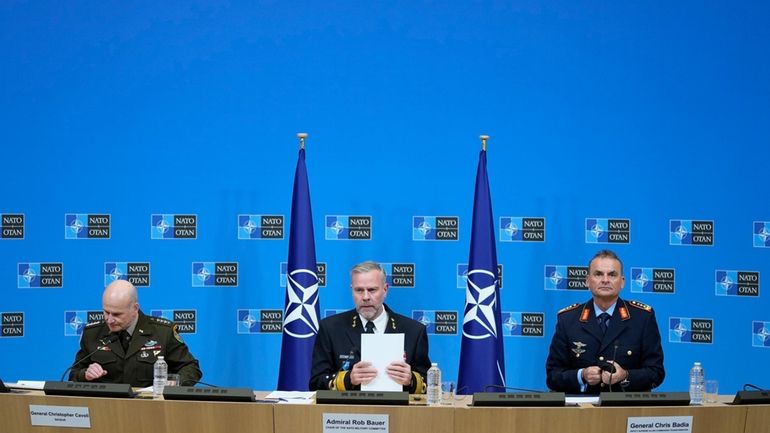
<point x="604" y="321"/>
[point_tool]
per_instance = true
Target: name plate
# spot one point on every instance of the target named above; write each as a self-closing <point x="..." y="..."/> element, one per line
<point x="59" y="416"/>
<point x="659" y="424"/>
<point x="355" y="423"/>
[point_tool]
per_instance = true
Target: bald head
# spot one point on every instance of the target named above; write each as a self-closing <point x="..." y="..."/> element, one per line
<point x="120" y="305"/>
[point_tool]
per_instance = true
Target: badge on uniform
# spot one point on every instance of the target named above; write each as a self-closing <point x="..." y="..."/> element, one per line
<point x="346" y="362"/>
<point x="578" y="349"/>
<point x="143" y="354"/>
<point x="150" y="343"/>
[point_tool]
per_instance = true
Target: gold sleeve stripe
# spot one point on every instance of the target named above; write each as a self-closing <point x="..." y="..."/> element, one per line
<point x="339" y="381"/>
<point x="419" y="383"/>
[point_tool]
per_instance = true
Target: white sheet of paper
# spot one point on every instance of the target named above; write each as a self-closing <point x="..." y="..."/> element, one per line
<point x="381" y="350"/>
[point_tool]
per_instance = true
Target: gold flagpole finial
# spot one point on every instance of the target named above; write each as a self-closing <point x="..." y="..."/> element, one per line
<point x="484" y="139"/>
<point x="302" y="136"/>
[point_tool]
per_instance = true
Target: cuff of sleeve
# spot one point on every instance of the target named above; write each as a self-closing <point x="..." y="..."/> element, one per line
<point x="420" y="387"/>
<point x="338" y="383"/>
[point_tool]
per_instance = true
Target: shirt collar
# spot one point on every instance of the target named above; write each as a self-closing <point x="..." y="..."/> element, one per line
<point x="380" y="323"/>
<point x="598" y="311"/>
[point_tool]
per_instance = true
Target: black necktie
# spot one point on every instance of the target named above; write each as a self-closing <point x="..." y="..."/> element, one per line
<point x="604" y="321"/>
<point x="369" y="328"/>
<point x="125" y="338"/>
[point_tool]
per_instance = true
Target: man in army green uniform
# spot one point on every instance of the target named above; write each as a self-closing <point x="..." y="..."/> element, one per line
<point x="125" y="345"/>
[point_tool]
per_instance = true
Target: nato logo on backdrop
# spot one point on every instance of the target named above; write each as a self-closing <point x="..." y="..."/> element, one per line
<point x="348" y="227"/>
<point x="561" y="277"/>
<point x="173" y="226"/>
<point x="760" y="334"/>
<point x="399" y="274"/>
<point x="12" y="324"/>
<point x="652" y="280"/>
<point x="40" y="275"/>
<point x="736" y="283"/>
<point x="136" y="273"/>
<point x="608" y="231"/>
<point x="320" y="270"/>
<point x="437" y="322"/>
<point x="435" y="228"/>
<point x="185" y="320"/>
<point x="214" y="274"/>
<point x="522" y="229"/>
<point x="13" y="226"/>
<point x="75" y="321"/>
<point x="691" y="232"/>
<point x="260" y="227"/>
<point x="761" y="234"/>
<point x="462" y="276"/>
<point x="254" y="321"/>
<point x="86" y="226"/>
<point x="687" y="330"/>
<point x="520" y="324"/>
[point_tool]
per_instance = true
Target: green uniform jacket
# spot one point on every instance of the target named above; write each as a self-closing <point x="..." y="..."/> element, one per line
<point x="153" y="337"/>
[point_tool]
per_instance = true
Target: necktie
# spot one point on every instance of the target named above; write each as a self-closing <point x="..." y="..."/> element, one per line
<point x="369" y="328"/>
<point x="604" y="322"/>
<point x="125" y="338"/>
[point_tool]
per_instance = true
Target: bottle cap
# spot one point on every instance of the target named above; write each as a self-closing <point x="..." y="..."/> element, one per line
<point x="434" y="364"/>
<point x="161" y="357"/>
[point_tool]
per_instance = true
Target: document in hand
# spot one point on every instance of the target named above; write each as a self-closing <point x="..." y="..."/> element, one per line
<point x="381" y="350"/>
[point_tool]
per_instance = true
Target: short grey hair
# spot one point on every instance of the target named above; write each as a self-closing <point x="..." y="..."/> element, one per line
<point x="606" y="254"/>
<point x="368" y="266"/>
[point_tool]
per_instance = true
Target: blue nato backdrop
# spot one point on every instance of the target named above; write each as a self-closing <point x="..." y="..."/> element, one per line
<point x="156" y="142"/>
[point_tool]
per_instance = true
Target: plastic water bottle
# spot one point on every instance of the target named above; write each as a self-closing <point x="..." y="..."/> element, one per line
<point x="434" y="385"/>
<point x="160" y="377"/>
<point x="696" y="384"/>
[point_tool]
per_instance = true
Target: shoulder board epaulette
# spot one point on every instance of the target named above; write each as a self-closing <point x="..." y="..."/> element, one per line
<point x="569" y="308"/>
<point x="161" y="321"/>
<point x="92" y="324"/>
<point x="640" y="306"/>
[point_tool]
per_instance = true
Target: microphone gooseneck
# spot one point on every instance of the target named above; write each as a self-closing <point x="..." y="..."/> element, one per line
<point x="106" y="341"/>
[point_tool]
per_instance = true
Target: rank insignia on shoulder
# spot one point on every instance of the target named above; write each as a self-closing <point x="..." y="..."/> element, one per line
<point x="161" y="320"/>
<point x="177" y="336"/>
<point x="641" y="306"/>
<point x="569" y="308"/>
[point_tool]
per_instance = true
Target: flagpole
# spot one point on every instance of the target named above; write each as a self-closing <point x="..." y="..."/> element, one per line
<point x="302" y="136"/>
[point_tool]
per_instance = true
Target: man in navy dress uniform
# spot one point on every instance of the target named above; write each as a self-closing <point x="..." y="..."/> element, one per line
<point x="337" y="363"/>
<point x="608" y="343"/>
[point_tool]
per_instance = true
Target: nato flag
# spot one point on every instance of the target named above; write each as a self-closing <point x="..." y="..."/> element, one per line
<point x="482" y="362"/>
<point x="300" y="317"/>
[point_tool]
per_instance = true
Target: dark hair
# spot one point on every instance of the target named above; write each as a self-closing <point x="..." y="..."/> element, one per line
<point x="606" y="254"/>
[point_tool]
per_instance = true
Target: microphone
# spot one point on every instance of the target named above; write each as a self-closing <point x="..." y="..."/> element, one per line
<point x="106" y="341"/>
<point x="609" y="367"/>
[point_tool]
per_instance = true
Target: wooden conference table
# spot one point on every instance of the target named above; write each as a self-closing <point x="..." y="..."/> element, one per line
<point x="158" y="416"/>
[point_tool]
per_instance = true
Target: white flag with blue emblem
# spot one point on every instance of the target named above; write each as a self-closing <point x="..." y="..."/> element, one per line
<point x="482" y="362"/>
<point x="300" y="317"/>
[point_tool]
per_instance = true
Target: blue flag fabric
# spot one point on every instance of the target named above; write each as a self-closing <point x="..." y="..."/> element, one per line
<point x="300" y="317"/>
<point x="482" y="362"/>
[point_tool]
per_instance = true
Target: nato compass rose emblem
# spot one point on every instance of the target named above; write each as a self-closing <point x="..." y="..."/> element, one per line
<point x="76" y="226"/>
<point x="250" y="227"/>
<point x="510" y="324"/>
<point x="115" y="274"/>
<point x="424" y="320"/>
<point x="203" y="274"/>
<point x="556" y="278"/>
<point x="680" y="232"/>
<point x="301" y="318"/>
<point x="726" y="282"/>
<point x="763" y="334"/>
<point x="597" y="230"/>
<point x="29" y="275"/>
<point x="480" y="301"/>
<point x="764" y="234"/>
<point x="511" y="229"/>
<point x="642" y="280"/>
<point x="162" y="226"/>
<point x="249" y="321"/>
<point x="424" y="228"/>
<point x="679" y="330"/>
<point x="76" y="324"/>
<point x="337" y="227"/>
